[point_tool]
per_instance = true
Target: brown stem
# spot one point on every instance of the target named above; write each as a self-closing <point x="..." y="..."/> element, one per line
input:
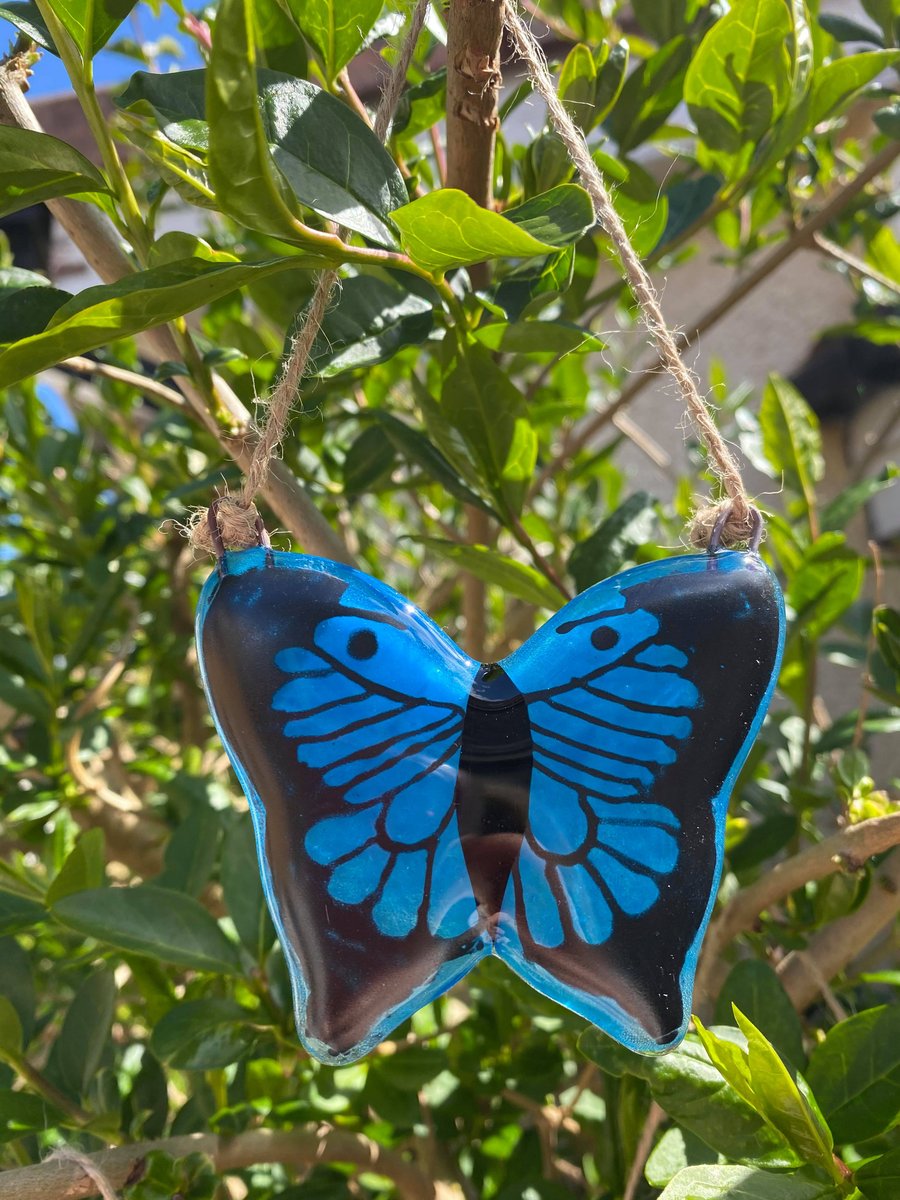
<point x="847" y="850"/>
<point x="474" y="30"/>
<point x="478" y="533"/>
<point x="802" y="973"/>
<point x="66" y="1180"/>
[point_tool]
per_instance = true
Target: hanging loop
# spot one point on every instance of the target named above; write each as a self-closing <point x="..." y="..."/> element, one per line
<point x="215" y="530"/>
<point x="756" y="529"/>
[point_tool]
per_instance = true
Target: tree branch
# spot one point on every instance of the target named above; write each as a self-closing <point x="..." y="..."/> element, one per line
<point x="847" y="850"/>
<point x="101" y="247"/>
<point x="65" y="1180"/>
<point x="804" y="973"/>
<point x="474" y="32"/>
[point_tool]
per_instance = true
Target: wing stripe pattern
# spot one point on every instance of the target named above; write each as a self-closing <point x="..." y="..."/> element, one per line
<point x="393" y="757"/>
<point x="597" y="846"/>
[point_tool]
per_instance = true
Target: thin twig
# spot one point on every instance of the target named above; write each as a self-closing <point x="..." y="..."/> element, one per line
<point x="149" y="387"/>
<point x="847" y="850"/>
<point x="866" y="681"/>
<point x="830" y="951"/>
<point x="655" y="1118"/>
<point x="65" y="1180"/>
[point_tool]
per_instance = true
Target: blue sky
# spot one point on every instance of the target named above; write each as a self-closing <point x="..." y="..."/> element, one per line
<point x="109" y="67"/>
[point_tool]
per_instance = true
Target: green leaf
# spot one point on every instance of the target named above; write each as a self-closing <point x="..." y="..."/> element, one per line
<point x="369" y="461"/>
<point x="515" y="578"/>
<point x="855" y="1073"/>
<point x="242" y="889"/>
<point x="374" y="317"/>
<point x="577" y="85"/>
<point x="191" y="852"/>
<point x="611" y="76"/>
<point x="825" y="584"/>
<point x="604" y="551"/>
<point x="845" y="29"/>
<point x="537" y="337"/>
<point x="743" y="1183"/>
<point x="336" y="28"/>
<point x="835" y="83"/>
<point x="11" y="1040"/>
<point x="26" y="16"/>
<point x="330" y="158"/>
<point x="84" y="868"/>
<point x="29" y="310"/>
<point x="674" y="1151"/>
<point x="17" y="912"/>
<point x="738" y="83"/>
<point x="418" y="449"/>
<point x="785" y="1102"/>
<point x="792" y="443"/>
<point x="557" y="218"/>
<point x="686" y="1084"/>
<point x="888" y="120"/>
<point x="884" y="13"/>
<point x="754" y="988"/>
<point x="92" y="22"/>
<point x="17" y="985"/>
<point x="241" y="171"/>
<point x="22" y="1113"/>
<point x="85" y="1032"/>
<point x="880" y="1179"/>
<point x="36" y="167"/>
<point x="130" y="305"/>
<point x="153" y="921"/>
<point x="837" y="513"/>
<point x="637" y="199"/>
<point x="886" y="627"/>
<point x="650" y="93"/>
<point x="448" y="229"/>
<point x="663" y="22"/>
<point x="485" y="406"/>
<point x="421" y="105"/>
<point x="203" y="1035"/>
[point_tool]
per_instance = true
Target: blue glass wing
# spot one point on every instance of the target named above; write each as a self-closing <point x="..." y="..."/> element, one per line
<point x="341" y="706"/>
<point x="644" y="695"/>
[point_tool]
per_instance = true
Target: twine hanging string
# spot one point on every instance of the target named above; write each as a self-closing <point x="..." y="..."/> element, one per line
<point x="67" y="1154"/>
<point x="737" y="521"/>
<point x="236" y="514"/>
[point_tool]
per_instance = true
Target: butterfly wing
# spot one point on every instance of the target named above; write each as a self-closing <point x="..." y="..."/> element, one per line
<point x="644" y="695"/>
<point x="341" y="707"/>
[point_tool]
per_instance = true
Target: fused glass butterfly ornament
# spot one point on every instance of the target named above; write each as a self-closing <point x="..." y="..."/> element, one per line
<point x="415" y="810"/>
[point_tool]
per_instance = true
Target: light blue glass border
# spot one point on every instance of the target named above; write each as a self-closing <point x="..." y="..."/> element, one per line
<point x="602" y="1011"/>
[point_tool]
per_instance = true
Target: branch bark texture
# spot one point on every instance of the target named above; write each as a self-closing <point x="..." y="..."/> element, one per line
<point x="474" y="34"/>
<point x="848" y="849"/>
<point x="66" y="1180"/>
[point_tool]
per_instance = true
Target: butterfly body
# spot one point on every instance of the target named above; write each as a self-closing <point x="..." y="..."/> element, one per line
<point x="416" y="811"/>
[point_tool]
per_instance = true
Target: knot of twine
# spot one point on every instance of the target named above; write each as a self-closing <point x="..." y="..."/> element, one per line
<point x="740" y="524"/>
<point x="87" y="1167"/>
<point x="236" y="514"/>
<point x="735" y="526"/>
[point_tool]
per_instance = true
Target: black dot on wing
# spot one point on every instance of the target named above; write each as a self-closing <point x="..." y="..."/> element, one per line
<point x="604" y="638"/>
<point x="362" y="644"/>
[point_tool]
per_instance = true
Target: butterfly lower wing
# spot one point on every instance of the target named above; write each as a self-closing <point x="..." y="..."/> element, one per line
<point x="644" y="696"/>
<point x="341" y="707"/>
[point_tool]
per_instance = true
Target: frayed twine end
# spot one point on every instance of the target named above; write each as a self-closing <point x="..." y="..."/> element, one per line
<point x="239" y="526"/>
<point x="741" y="525"/>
